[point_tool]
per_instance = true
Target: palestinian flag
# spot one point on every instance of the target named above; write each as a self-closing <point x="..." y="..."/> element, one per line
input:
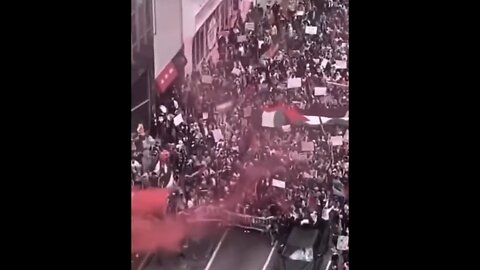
<point x="278" y="115"/>
<point x="343" y="121"/>
<point x="338" y="188"/>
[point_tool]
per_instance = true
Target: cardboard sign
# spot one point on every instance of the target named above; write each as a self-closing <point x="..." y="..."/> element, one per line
<point x="336" y="140"/>
<point x="250" y="26"/>
<point x="320" y="91"/>
<point x="278" y="183"/>
<point x="207" y="79"/>
<point x="242" y="38"/>
<point x="294" y="83"/>
<point x="205" y="115"/>
<point x="247" y="112"/>
<point x="342" y="242"/>
<point x="307" y="146"/>
<point x="217" y="135"/>
<point x="236" y="71"/>
<point x="311" y="30"/>
<point x="178" y="120"/>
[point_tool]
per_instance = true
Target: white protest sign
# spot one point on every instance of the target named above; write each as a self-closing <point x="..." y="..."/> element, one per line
<point x="278" y="183"/>
<point x="207" y="79"/>
<point x="346" y="136"/>
<point x="336" y="140"/>
<point x="217" y="135"/>
<point x="294" y="83"/>
<point x="340" y="64"/>
<point x="324" y="63"/>
<point x="300" y="13"/>
<point x="320" y="91"/>
<point x="242" y="38"/>
<point x="311" y="30"/>
<point x="236" y="71"/>
<point x="286" y="128"/>
<point x="307" y="146"/>
<point x="316" y="60"/>
<point x="249" y="26"/>
<point x="178" y="120"/>
<point x="342" y="242"/>
<point x="205" y="115"/>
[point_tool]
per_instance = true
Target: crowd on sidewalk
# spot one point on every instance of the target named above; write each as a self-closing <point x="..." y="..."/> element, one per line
<point x="263" y="131"/>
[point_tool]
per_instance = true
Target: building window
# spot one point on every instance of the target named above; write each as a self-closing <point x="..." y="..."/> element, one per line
<point x="201" y="39"/>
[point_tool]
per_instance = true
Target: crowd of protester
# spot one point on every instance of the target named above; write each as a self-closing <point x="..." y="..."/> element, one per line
<point x="228" y="95"/>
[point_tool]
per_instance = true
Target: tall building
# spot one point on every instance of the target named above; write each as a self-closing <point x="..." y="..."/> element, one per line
<point x="203" y="23"/>
<point x="142" y="76"/>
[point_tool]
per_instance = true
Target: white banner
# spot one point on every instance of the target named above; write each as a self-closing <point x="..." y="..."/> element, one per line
<point x="249" y="26"/>
<point x="336" y="140"/>
<point x="278" y="183"/>
<point x="340" y="64"/>
<point x="242" y="38"/>
<point x="311" y="30"/>
<point x="294" y="83"/>
<point x="307" y="146"/>
<point x="320" y="91"/>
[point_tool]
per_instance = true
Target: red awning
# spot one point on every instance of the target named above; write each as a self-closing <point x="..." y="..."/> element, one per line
<point x="166" y="77"/>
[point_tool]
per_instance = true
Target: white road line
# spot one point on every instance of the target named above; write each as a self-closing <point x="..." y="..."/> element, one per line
<point x="210" y="262"/>
<point x="269" y="256"/>
<point x="328" y="264"/>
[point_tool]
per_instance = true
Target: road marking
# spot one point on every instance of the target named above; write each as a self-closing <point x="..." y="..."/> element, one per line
<point x="210" y="262"/>
<point x="269" y="256"/>
<point x="328" y="264"/>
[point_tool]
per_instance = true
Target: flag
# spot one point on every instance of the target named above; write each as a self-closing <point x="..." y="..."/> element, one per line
<point x="273" y="119"/>
<point x="277" y="116"/>
<point x="338" y="188"/>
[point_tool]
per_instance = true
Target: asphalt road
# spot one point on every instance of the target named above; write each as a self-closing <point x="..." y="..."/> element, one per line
<point x="242" y="250"/>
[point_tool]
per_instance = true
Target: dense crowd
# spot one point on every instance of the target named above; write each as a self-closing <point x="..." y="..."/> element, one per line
<point x="208" y="140"/>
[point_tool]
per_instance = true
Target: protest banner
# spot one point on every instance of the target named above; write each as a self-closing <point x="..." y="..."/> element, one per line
<point x="250" y="26"/>
<point x="207" y="79"/>
<point x="242" y="38"/>
<point x="311" y="30"/>
<point x="217" y="135"/>
<point x="294" y="83"/>
<point x="320" y="91"/>
<point x="205" y="115"/>
<point x="307" y="146"/>
<point x="278" y="183"/>
<point x="178" y="120"/>
<point x="340" y="64"/>
<point x="336" y="140"/>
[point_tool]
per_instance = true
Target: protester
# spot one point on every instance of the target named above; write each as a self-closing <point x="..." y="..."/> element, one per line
<point x="219" y="143"/>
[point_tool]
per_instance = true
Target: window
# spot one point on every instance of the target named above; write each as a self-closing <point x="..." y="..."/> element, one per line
<point x="201" y="40"/>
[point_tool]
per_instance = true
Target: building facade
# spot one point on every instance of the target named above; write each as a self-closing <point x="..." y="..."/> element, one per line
<point x="142" y="72"/>
<point x="203" y="21"/>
